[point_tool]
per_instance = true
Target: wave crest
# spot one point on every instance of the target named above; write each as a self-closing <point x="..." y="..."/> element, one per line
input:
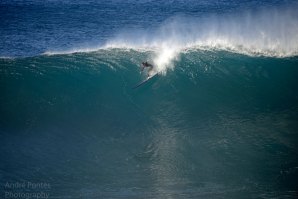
<point x="267" y="32"/>
<point x="270" y="33"/>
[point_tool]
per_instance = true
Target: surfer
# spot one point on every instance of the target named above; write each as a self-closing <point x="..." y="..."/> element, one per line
<point x="147" y="65"/>
<point x="150" y="73"/>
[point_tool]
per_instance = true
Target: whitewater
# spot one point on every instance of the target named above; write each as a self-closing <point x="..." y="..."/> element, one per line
<point x="265" y="32"/>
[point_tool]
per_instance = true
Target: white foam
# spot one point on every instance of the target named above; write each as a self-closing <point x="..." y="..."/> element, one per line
<point x="71" y="51"/>
<point x="271" y="33"/>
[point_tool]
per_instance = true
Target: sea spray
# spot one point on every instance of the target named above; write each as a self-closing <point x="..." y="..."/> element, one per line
<point x="264" y="32"/>
<point x="164" y="58"/>
<point x="271" y="33"/>
<point x="267" y="32"/>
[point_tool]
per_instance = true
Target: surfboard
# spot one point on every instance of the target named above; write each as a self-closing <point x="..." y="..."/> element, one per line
<point x="144" y="81"/>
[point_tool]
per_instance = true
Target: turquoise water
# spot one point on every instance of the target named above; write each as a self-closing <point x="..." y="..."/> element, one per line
<point x="218" y="121"/>
<point x="219" y="125"/>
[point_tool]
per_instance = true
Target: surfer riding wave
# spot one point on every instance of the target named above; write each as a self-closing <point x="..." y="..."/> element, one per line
<point x="150" y="73"/>
<point x="147" y="65"/>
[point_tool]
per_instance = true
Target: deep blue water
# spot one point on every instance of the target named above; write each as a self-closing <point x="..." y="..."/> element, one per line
<point x="219" y="121"/>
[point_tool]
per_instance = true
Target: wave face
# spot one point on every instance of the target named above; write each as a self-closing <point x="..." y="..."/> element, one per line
<point x="219" y="124"/>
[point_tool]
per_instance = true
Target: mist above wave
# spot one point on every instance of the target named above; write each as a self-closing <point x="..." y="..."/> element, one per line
<point x="266" y="32"/>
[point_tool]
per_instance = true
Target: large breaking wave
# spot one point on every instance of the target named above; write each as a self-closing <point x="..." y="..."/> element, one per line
<point x="215" y="113"/>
